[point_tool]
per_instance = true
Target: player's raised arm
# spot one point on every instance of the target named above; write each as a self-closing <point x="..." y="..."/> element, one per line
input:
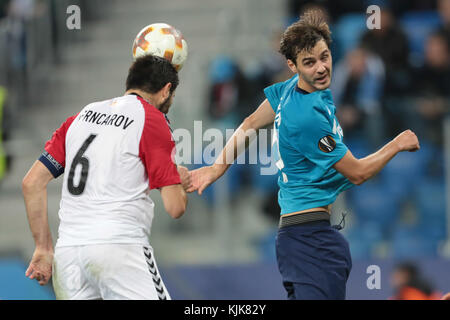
<point x="34" y="187"/>
<point x="360" y="170"/>
<point x="239" y="141"/>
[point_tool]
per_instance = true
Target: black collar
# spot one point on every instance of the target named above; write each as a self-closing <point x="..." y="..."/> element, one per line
<point x="301" y="90"/>
<point x="134" y="93"/>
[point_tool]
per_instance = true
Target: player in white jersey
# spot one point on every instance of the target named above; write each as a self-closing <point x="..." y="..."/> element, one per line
<point x="112" y="152"/>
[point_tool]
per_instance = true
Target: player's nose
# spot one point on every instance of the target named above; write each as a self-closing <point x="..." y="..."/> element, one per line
<point x="321" y="70"/>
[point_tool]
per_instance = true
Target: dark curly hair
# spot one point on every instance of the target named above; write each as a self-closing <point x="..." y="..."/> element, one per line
<point x="151" y="73"/>
<point x="304" y="34"/>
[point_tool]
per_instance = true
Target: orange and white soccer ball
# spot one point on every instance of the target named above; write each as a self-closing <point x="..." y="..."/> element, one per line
<point x="162" y="40"/>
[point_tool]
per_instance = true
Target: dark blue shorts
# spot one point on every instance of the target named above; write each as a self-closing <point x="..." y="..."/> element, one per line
<point x="314" y="261"/>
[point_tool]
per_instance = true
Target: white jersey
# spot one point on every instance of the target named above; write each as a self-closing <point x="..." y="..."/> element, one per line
<point x="112" y="152"/>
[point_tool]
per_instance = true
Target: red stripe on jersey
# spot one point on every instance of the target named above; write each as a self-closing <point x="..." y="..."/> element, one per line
<point x="56" y="146"/>
<point x="157" y="149"/>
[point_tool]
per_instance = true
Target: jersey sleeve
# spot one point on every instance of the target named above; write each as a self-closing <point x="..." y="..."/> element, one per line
<point x="319" y="141"/>
<point x="157" y="150"/>
<point x="274" y="92"/>
<point x="54" y="155"/>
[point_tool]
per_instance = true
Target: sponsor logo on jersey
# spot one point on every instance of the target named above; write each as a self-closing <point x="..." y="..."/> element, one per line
<point x="327" y="144"/>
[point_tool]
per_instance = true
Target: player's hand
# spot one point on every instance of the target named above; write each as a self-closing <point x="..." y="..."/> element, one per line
<point x="185" y="177"/>
<point x="203" y="177"/>
<point x="407" y="141"/>
<point x="40" y="267"/>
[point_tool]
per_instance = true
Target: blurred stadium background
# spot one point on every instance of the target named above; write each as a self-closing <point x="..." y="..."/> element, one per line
<point x="385" y="81"/>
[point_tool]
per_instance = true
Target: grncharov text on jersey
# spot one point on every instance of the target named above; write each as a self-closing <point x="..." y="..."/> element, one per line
<point x="106" y="119"/>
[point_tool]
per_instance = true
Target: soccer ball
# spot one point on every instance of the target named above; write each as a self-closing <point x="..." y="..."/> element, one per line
<point x="162" y="40"/>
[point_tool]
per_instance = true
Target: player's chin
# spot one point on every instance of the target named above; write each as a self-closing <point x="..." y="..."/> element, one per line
<point x="165" y="109"/>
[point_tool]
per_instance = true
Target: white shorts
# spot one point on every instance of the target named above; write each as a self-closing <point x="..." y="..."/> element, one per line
<point x="107" y="271"/>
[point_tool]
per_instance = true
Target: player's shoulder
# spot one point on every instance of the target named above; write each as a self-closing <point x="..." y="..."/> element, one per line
<point x="310" y="112"/>
<point x="290" y="83"/>
<point x="322" y="104"/>
<point x="292" y="80"/>
<point x="129" y="103"/>
<point x="119" y="100"/>
<point x="283" y="85"/>
<point x="150" y="110"/>
<point x="155" y="120"/>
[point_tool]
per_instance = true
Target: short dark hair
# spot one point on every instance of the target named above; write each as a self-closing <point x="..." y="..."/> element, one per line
<point x="151" y="73"/>
<point x="304" y="34"/>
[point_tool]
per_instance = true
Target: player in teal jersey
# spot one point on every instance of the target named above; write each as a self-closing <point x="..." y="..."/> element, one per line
<point x="307" y="143"/>
<point x="314" y="164"/>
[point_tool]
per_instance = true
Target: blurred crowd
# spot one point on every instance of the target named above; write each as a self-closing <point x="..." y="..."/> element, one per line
<point x="384" y="81"/>
<point x="16" y="17"/>
<point x="31" y="35"/>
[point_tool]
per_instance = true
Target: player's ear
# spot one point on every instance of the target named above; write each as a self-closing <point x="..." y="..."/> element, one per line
<point x="291" y="65"/>
<point x="166" y="90"/>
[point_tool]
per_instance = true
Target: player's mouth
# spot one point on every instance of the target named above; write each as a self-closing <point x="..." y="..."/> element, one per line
<point x="323" y="79"/>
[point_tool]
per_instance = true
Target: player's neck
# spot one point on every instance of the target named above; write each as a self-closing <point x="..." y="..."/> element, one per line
<point x="305" y="86"/>
<point x="144" y="95"/>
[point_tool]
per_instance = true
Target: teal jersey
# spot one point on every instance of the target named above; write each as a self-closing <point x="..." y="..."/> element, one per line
<point x="307" y="142"/>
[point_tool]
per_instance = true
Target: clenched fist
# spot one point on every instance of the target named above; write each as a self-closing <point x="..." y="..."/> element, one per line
<point x="407" y="141"/>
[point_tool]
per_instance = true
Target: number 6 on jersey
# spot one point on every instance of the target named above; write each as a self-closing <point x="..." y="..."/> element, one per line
<point x="79" y="159"/>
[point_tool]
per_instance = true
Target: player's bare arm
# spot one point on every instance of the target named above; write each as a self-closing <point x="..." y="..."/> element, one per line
<point x="239" y="141"/>
<point x="175" y="200"/>
<point x="34" y="187"/>
<point x="185" y="177"/>
<point x="360" y="170"/>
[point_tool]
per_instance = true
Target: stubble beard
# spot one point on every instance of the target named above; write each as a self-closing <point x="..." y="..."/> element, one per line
<point x="164" y="106"/>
